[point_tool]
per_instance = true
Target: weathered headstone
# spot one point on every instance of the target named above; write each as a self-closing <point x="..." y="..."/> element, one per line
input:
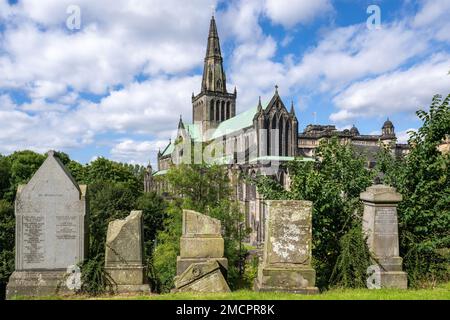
<point x="381" y="228"/>
<point x="202" y="277"/>
<point x="51" y="234"/>
<point x="286" y="264"/>
<point x="124" y="254"/>
<point x="201" y="265"/>
<point x="201" y="241"/>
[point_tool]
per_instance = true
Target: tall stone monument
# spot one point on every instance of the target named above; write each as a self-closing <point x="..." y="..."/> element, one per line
<point x="125" y="253"/>
<point x="286" y="264"/>
<point x="381" y="228"/>
<point x="201" y="266"/>
<point x="51" y="231"/>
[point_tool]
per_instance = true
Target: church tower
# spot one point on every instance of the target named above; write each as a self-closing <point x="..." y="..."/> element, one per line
<point x="213" y="104"/>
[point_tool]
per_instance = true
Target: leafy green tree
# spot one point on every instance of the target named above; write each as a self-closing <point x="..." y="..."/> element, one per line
<point x="163" y="263"/>
<point x="154" y="212"/>
<point x="78" y="172"/>
<point x="7" y="224"/>
<point x="23" y="165"/>
<point x="201" y="185"/>
<point x="108" y="201"/>
<point x="206" y="189"/>
<point x="109" y="171"/>
<point x="5" y="175"/>
<point x="423" y="180"/>
<point x="333" y="183"/>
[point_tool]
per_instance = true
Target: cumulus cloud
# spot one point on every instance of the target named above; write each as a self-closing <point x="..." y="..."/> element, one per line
<point x="115" y="43"/>
<point x="434" y="16"/>
<point x="291" y="12"/>
<point x="132" y="67"/>
<point x="398" y="91"/>
<point x="137" y="152"/>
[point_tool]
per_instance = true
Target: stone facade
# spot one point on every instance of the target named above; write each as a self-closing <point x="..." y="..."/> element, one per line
<point x="286" y="264"/>
<point x="201" y="248"/>
<point x="51" y="231"/>
<point x="258" y="141"/>
<point x="124" y="254"/>
<point x="381" y="228"/>
<point x="368" y="145"/>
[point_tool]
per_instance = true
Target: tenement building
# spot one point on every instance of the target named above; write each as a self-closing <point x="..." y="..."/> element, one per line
<point x="260" y="140"/>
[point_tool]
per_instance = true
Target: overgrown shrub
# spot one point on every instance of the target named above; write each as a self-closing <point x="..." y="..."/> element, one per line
<point x="423" y="179"/>
<point x="333" y="183"/>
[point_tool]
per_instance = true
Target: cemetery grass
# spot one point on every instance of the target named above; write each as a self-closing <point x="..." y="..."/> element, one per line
<point x="441" y="292"/>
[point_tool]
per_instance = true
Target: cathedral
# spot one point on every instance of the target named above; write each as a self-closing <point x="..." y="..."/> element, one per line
<point x="257" y="141"/>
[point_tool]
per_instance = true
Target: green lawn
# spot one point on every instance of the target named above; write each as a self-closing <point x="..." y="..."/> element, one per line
<point x="442" y="292"/>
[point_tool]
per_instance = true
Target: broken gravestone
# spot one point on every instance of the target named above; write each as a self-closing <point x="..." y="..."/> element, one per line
<point x="51" y="233"/>
<point x="202" y="277"/>
<point x="380" y="225"/>
<point x="201" y="265"/>
<point x="124" y="254"/>
<point x="286" y="264"/>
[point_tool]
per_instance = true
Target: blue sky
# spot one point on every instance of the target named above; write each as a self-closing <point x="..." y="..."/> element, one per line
<point x="117" y="86"/>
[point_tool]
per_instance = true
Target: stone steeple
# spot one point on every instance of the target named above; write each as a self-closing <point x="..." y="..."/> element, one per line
<point x="213" y="104"/>
<point x="213" y="75"/>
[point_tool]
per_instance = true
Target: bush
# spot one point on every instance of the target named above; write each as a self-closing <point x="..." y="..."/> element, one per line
<point x="7" y="235"/>
<point x="333" y="183"/>
<point x="163" y="266"/>
<point x="424" y="181"/>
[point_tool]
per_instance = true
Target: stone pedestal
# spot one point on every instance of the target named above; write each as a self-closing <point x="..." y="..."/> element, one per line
<point x="286" y="264"/>
<point x="51" y="232"/>
<point x="381" y="228"/>
<point x="124" y="254"/>
<point x="38" y="283"/>
<point x="201" y="249"/>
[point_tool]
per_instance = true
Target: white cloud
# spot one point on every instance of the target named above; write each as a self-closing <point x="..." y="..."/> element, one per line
<point x="136" y="152"/>
<point x="116" y="42"/>
<point x="291" y="12"/>
<point x="398" y="91"/>
<point x="165" y="41"/>
<point x="433" y="17"/>
<point x="403" y="136"/>
<point x="351" y="53"/>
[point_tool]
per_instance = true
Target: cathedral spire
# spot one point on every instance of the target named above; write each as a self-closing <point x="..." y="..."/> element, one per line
<point x="213" y="74"/>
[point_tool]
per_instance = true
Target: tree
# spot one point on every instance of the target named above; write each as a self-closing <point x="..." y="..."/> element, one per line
<point x="108" y="201"/>
<point x="206" y="189"/>
<point x="201" y="185"/>
<point x="5" y="176"/>
<point x="109" y="171"/>
<point x="333" y="183"/>
<point x="7" y="223"/>
<point x="23" y="165"/>
<point x="423" y="180"/>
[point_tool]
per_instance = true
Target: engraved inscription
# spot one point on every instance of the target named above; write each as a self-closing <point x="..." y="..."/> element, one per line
<point x="33" y="239"/>
<point x="66" y="227"/>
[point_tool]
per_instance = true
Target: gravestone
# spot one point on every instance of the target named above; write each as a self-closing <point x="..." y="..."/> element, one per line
<point x="124" y="254"/>
<point x="201" y="265"/>
<point x="286" y="262"/>
<point x="201" y="240"/>
<point x="51" y="232"/>
<point x="202" y="277"/>
<point x="381" y="228"/>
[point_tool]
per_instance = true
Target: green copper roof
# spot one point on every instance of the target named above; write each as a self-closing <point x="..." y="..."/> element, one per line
<point x="160" y="173"/>
<point x="169" y="149"/>
<point x="194" y="132"/>
<point x="241" y="121"/>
